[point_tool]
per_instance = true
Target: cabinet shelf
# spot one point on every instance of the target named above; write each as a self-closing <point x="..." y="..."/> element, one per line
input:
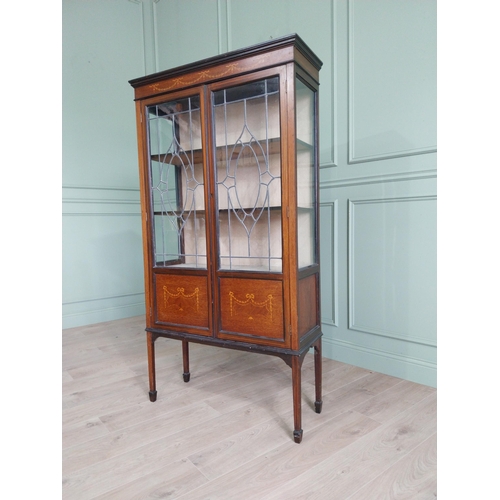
<point x="227" y="210"/>
<point x="196" y="156"/>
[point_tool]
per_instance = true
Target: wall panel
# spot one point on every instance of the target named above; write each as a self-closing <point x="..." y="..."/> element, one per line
<point x="187" y="31"/>
<point x="102" y="255"/>
<point x="392" y="267"/>
<point x="100" y="55"/>
<point x="392" y="82"/>
<point x="103" y="47"/>
<point x="329" y="262"/>
<point x="386" y="251"/>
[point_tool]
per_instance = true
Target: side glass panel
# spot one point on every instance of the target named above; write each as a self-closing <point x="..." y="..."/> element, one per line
<point x="177" y="184"/>
<point x="248" y="176"/>
<point x="306" y="174"/>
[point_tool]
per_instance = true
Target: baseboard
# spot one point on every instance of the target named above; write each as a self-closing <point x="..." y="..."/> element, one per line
<point x="99" y="311"/>
<point x="415" y="370"/>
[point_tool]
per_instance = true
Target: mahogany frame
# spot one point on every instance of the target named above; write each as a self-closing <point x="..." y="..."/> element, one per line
<point x="289" y="58"/>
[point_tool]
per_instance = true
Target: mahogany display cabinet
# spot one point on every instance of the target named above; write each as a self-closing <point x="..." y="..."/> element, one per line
<point x="228" y="160"/>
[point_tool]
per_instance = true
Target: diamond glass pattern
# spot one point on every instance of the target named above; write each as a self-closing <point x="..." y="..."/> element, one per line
<point x="177" y="190"/>
<point x="248" y="176"/>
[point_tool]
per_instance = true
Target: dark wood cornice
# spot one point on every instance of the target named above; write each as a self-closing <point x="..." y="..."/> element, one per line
<point x="261" y="48"/>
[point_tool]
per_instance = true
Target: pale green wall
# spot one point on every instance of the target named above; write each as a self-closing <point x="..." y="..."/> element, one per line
<point x="378" y="160"/>
<point x="102" y="260"/>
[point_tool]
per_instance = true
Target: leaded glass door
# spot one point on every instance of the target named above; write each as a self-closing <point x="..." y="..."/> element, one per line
<point x="178" y="213"/>
<point x="177" y="183"/>
<point x="248" y="184"/>
<point x="247" y="143"/>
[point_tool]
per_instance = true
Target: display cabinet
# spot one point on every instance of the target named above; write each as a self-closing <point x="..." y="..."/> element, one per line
<point x="228" y="157"/>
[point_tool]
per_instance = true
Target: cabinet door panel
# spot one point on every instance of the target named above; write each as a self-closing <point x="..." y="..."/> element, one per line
<point x="247" y="145"/>
<point x="252" y="308"/>
<point x="177" y="183"/>
<point x="182" y="300"/>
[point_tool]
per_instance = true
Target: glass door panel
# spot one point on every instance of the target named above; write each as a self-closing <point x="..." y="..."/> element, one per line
<point x="306" y="178"/>
<point x="177" y="183"/>
<point x="248" y="176"/>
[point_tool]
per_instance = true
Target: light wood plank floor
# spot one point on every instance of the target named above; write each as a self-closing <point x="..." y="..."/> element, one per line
<point x="227" y="434"/>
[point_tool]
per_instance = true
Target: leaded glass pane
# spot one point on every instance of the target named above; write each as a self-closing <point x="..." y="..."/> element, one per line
<point x="177" y="191"/>
<point x="248" y="176"/>
<point x="306" y="174"/>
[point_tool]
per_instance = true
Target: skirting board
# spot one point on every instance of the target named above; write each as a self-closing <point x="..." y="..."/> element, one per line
<point x="414" y="370"/>
<point x="99" y="312"/>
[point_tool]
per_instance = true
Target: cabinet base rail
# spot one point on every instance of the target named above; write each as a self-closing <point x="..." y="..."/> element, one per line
<point x="293" y="359"/>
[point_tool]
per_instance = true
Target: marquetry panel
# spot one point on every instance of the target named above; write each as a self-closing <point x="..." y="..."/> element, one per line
<point x="251" y="306"/>
<point x="182" y="300"/>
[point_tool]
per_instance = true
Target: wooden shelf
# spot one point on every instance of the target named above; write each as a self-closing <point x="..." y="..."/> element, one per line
<point x="223" y="211"/>
<point x="220" y="153"/>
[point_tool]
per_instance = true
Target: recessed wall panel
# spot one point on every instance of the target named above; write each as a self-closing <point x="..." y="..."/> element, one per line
<point x="186" y="31"/>
<point x="392" y="78"/>
<point x="329" y="262"/>
<point x="392" y="267"/>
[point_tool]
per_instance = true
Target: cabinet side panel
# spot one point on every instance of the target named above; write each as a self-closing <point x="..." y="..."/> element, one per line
<point x="182" y="300"/>
<point x="252" y="307"/>
<point x="308" y="304"/>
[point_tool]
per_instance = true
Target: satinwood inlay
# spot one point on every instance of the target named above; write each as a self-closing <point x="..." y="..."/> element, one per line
<point x="250" y="299"/>
<point x="169" y="298"/>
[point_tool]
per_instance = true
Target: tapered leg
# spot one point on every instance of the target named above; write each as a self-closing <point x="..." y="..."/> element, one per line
<point x="318" y="404"/>
<point x="185" y="360"/>
<point x="151" y="366"/>
<point x="297" y="399"/>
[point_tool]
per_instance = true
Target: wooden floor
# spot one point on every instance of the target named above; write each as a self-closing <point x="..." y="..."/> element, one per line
<point x="227" y="434"/>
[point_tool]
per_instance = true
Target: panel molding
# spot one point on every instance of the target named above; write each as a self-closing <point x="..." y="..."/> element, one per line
<point x="381" y="178"/>
<point x="99" y="299"/>
<point x="223" y="25"/>
<point x="332" y="319"/>
<point x="228" y="24"/>
<point x="100" y="201"/>
<point x="333" y="160"/>
<point x="351" y="266"/>
<point x="149" y="37"/>
<point x="397" y="154"/>
<point x="352" y="159"/>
